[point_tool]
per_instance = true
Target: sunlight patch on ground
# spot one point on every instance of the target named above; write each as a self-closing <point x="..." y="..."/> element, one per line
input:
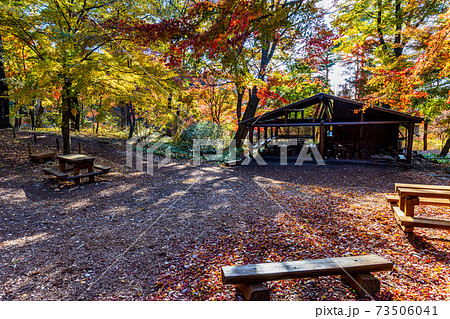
<point x="19" y="242"/>
<point x="13" y="196"/>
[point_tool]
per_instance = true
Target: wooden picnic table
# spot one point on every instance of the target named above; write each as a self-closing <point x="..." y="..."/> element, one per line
<point x="411" y="195"/>
<point x="78" y="162"/>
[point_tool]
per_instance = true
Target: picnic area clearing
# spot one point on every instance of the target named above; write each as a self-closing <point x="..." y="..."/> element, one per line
<point x="134" y="236"/>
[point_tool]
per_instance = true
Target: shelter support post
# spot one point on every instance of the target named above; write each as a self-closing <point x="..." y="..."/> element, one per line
<point x="425" y="135"/>
<point x="410" y="143"/>
<point x="322" y="140"/>
<point x="250" y="134"/>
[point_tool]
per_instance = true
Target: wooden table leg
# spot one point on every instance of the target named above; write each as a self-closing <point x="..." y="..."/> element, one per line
<point x="401" y="204"/>
<point x="91" y="170"/>
<point x="62" y="166"/>
<point x="76" y="171"/>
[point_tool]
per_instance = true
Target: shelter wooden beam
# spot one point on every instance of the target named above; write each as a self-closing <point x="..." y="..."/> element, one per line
<point x="329" y="124"/>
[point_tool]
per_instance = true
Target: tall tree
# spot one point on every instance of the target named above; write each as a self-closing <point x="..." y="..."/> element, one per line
<point x="4" y="101"/>
<point x="242" y="37"/>
<point x="392" y="33"/>
<point x="65" y="37"/>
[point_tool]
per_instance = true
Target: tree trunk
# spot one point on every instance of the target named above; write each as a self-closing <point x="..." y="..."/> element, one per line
<point x="240" y="97"/>
<point x="4" y="101"/>
<point x="66" y="106"/>
<point x="250" y="111"/>
<point x="132" y="117"/>
<point x="398" y="50"/>
<point x="75" y="118"/>
<point x="39" y="114"/>
<point x="18" y="119"/>
<point x="267" y="52"/>
<point x="33" y="119"/>
<point x="446" y="148"/>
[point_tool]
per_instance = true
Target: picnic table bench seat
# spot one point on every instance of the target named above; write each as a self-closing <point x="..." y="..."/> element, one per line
<point x="56" y="172"/>
<point x="422" y="201"/>
<point x="104" y="169"/>
<point x="408" y="221"/>
<point x="354" y="269"/>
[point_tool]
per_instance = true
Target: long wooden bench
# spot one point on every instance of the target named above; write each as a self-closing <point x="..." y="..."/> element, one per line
<point x="355" y="270"/>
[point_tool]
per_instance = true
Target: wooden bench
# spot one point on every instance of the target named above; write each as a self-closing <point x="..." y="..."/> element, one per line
<point x="104" y="169"/>
<point x="355" y="270"/>
<point x="410" y="195"/>
<point x="56" y="172"/>
<point x="63" y="176"/>
<point x="233" y="163"/>
<point x="41" y="157"/>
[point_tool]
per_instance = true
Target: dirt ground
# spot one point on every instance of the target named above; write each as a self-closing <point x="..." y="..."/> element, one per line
<point x="135" y="236"/>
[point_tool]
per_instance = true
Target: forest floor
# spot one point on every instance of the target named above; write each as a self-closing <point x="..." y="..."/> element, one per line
<point x="136" y="236"/>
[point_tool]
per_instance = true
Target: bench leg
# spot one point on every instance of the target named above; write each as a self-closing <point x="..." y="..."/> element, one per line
<point x="409" y="210"/>
<point x="254" y="292"/>
<point x="363" y="284"/>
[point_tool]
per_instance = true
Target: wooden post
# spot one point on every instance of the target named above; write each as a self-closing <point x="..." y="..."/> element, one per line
<point x="322" y="140"/>
<point x="410" y="143"/>
<point x="314" y="134"/>
<point x="79" y="147"/>
<point x="425" y="135"/>
<point x="57" y="144"/>
<point x="34" y="138"/>
<point x="250" y="134"/>
<point x="254" y="292"/>
<point x="363" y="284"/>
<point x="259" y="135"/>
<point x="29" y="149"/>
<point x="265" y="135"/>
<point x="14" y="132"/>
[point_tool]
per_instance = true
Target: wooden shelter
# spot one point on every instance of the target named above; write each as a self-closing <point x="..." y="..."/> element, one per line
<point x="341" y="127"/>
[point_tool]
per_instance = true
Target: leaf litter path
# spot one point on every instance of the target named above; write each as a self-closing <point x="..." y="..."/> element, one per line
<point x="57" y="240"/>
